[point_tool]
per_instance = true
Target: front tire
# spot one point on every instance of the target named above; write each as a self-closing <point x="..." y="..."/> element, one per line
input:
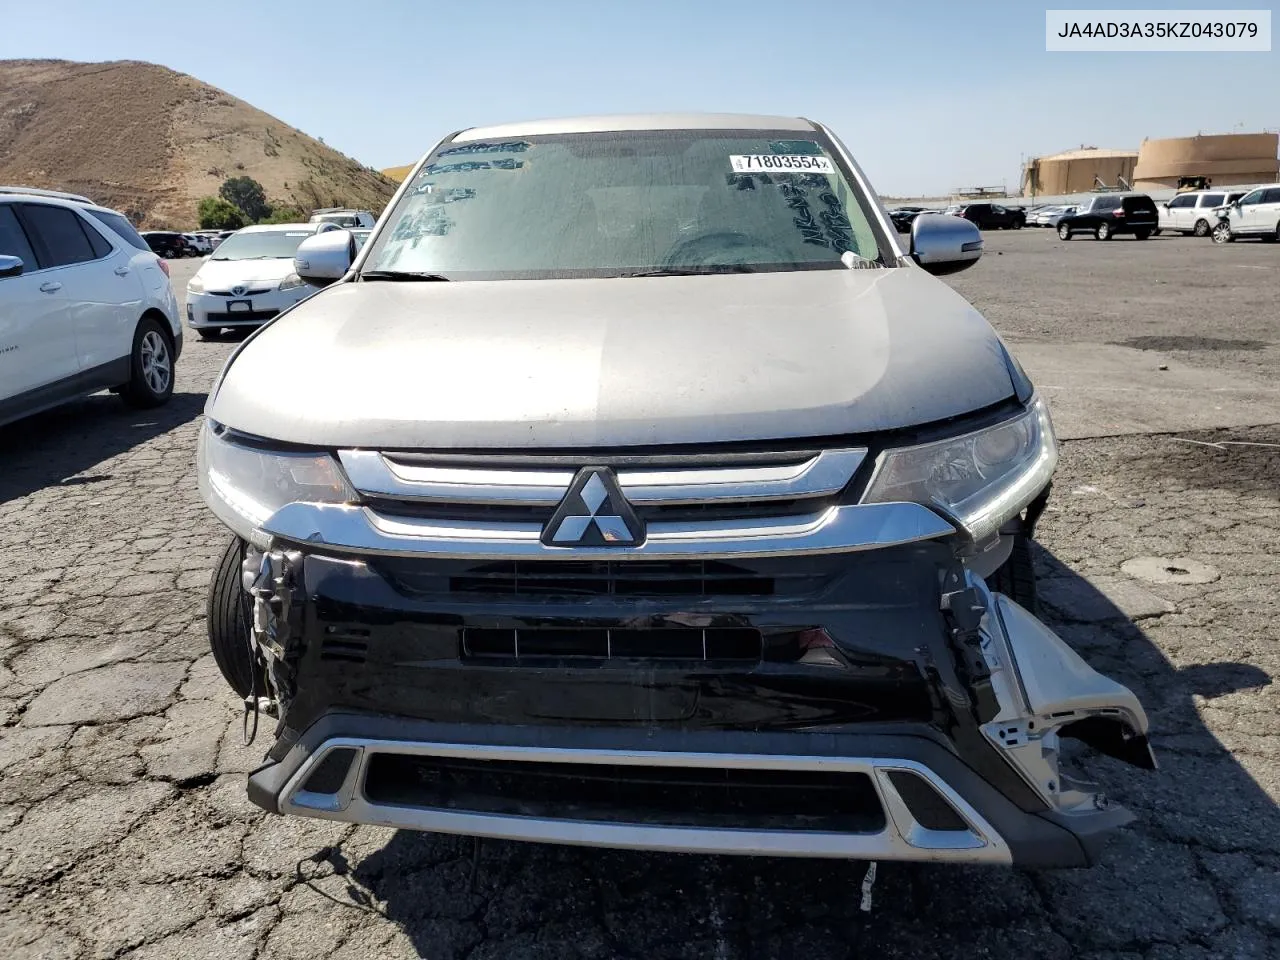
<point x="1222" y="232"/>
<point x="1064" y="232"/>
<point x="1142" y="234"/>
<point x="207" y="335"/>
<point x="1017" y="224"/>
<point x="227" y="622"/>
<point x="1103" y="232"/>
<point x="150" y="366"/>
<point x="1016" y="577"/>
<point x="1201" y="228"/>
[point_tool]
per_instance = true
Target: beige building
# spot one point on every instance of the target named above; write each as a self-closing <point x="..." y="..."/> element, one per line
<point x="1077" y="171"/>
<point x="1235" y="158"/>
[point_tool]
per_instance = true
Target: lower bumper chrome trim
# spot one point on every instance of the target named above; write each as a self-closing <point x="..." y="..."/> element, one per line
<point x="902" y="837"/>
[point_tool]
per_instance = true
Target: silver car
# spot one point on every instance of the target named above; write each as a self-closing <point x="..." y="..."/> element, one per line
<point x="632" y="486"/>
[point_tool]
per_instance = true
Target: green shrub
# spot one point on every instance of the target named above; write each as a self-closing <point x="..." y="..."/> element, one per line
<point x="215" y="213"/>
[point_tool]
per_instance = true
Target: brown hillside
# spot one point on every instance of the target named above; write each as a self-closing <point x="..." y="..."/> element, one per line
<point x="145" y="139"/>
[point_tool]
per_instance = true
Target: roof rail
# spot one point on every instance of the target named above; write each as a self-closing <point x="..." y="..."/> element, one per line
<point x="32" y="191"/>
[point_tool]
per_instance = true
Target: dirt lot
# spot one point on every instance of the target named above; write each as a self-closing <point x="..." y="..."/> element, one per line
<point x="124" y="830"/>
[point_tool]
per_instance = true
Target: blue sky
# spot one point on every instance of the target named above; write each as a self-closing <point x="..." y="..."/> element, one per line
<point x="928" y="95"/>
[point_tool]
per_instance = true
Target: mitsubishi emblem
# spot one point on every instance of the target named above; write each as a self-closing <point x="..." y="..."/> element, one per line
<point x="594" y="513"/>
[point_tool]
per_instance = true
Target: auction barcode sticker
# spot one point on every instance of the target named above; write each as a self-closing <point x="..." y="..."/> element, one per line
<point x="780" y="163"/>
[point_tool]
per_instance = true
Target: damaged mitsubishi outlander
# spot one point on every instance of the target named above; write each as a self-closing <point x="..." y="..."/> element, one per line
<point x="632" y="486"/>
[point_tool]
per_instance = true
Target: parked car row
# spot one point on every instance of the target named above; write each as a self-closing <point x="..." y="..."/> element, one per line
<point x="1223" y="214"/>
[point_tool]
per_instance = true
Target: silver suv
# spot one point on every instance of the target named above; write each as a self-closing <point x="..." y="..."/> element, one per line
<point x="633" y="487"/>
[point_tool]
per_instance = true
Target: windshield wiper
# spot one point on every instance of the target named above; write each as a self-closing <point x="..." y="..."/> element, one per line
<point x="403" y="276"/>
<point x="678" y="272"/>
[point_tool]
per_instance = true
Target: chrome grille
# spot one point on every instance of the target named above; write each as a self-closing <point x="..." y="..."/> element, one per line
<point x="679" y="499"/>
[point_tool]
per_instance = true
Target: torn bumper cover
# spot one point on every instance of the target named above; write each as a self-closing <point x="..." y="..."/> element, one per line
<point x="836" y="705"/>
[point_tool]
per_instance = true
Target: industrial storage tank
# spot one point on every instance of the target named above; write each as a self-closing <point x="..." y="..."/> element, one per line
<point x="1078" y="171"/>
<point x="1225" y="159"/>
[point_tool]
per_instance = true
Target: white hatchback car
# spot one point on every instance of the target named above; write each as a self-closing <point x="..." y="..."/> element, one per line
<point x="249" y="278"/>
<point x="84" y="306"/>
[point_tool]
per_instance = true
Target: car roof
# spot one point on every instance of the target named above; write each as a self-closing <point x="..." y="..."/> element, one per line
<point x="279" y="227"/>
<point x="22" y="195"/>
<point x="606" y="123"/>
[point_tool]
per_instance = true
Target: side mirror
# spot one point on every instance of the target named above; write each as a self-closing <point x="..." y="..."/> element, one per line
<point x="942" y="244"/>
<point x="325" y="257"/>
<point x="11" y="267"/>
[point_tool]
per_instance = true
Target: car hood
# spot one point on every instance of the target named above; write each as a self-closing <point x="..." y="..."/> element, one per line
<point x="220" y="274"/>
<point x="614" y="362"/>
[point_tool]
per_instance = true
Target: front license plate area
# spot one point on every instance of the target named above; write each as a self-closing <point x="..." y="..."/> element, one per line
<point x="239" y="306"/>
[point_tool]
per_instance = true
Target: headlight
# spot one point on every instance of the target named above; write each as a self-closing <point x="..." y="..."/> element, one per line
<point x="291" y="282"/>
<point x="245" y="485"/>
<point x="195" y="285"/>
<point x="979" y="480"/>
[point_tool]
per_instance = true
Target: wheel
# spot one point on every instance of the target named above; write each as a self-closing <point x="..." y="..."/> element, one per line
<point x="1016" y="577"/>
<point x="1222" y="232"/>
<point x="1103" y="232"/>
<point x="1064" y="232"/>
<point x="150" y="366"/>
<point x="1142" y="234"/>
<point x="227" y="622"/>
<point x="207" y="334"/>
<point x="1201" y="228"/>
<point x="1017" y="224"/>
<point x="1272" y="237"/>
<point x="1155" y="232"/>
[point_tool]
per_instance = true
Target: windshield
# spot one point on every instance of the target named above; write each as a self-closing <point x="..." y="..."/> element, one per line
<point x="342" y="219"/>
<point x="261" y="245"/>
<point x="618" y="204"/>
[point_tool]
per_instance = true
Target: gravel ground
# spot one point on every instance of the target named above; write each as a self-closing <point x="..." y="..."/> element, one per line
<point x="124" y="829"/>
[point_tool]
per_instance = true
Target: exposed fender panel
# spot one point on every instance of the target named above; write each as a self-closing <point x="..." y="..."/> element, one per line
<point x="1054" y="677"/>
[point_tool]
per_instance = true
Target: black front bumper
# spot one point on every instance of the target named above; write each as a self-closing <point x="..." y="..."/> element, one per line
<point x="822" y="667"/>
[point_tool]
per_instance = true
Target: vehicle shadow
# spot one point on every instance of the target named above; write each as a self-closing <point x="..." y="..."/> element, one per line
<point x="1169" y="878"/>
<point x="60" y="447"/>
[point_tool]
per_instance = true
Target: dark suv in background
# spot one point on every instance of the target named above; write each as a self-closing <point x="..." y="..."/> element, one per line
<point x="992" y="216"/>
<point x="1111" y="214"/>
<point x="169" y="245"/>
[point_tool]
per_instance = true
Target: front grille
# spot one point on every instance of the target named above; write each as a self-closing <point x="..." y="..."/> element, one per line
<point x="628" y="579"/>
<point x="676" y="496"/>
<point x="720" y="644"/>
<point x="255" y="292"/>
<point x="638" y="579"/>
<point x="747" y="799"/>
<point x="242" y="316"/>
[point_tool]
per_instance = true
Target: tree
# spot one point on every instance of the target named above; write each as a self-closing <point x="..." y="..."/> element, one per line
<point x="215" y="213"/>
<point x="282" y="211"/>
<point x="247" y="194"/>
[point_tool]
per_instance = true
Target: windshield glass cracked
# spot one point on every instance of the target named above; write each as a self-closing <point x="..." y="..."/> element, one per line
<point x="618" y="204"/>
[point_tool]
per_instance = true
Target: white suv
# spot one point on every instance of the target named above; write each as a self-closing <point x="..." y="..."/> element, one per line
<point x="1192" y="212"/>
<point x="1256" y="214"/>
<point x="84" y="306"/>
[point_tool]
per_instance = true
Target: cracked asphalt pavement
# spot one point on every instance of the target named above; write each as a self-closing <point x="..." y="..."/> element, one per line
<point x="125" y="831"/>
